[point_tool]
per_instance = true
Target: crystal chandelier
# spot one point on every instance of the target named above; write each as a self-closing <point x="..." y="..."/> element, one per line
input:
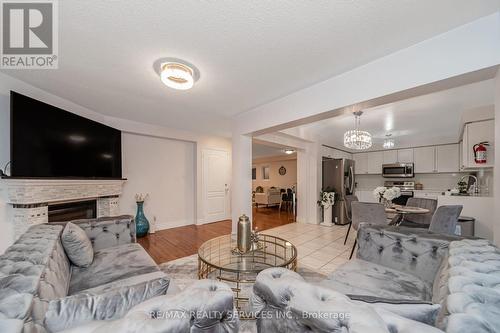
<point x="388" y="142"/>
<point x="356" y="139"/>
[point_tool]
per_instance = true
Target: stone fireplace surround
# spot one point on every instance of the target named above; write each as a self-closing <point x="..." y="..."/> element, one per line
<point x="28" y="199"/>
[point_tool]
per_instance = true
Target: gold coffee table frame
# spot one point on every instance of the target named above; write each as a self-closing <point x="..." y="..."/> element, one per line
<point x="217" y="260"/>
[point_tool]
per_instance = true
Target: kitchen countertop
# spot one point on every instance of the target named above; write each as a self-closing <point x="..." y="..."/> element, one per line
<point x="437" y="192"/>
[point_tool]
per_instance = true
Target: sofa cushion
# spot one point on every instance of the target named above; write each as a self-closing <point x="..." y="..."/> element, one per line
<point x="77" y="245"/>
<point x="111" y="265"/>
<point x="109" y="301"/>
<point x="359" y="277"/>
<point x="425" y="313"/>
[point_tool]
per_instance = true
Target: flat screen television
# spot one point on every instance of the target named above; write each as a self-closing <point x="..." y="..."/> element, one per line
<point x="48" y="142"/>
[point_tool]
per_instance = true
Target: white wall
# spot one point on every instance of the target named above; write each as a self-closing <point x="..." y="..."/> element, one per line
<point x="165" y="169"/>
<point x="197" y="141"/>
<point x="275" y="179"/>
<point x="496" y="226"/>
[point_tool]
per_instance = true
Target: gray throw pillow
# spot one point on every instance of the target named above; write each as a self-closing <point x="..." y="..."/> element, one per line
<point x="77" y="245"/>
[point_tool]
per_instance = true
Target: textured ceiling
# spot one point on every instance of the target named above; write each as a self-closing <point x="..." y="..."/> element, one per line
<point x="248" y="52"/>
<point x="261" y="150"/>
<point x="424" y="120"/>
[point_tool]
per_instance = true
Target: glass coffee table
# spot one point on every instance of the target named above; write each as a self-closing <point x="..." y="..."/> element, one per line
<point x="218" y="260"/>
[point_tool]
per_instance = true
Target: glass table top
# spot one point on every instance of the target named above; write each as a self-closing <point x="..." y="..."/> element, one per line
<point x="270" y="251"/>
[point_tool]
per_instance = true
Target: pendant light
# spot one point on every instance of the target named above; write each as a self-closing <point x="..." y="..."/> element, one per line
<point x="357" y="139"/>
<point x="388" y="142"/>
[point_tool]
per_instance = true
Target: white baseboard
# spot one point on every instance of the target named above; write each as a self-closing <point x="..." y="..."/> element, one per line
<point x="172" y="224"/>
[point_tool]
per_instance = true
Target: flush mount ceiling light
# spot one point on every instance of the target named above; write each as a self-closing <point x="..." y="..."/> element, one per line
<point x="357" y="139"/>
<point x="388" y="142"/>
<point x="289" y="151"/>
<point x="176" y="75"/>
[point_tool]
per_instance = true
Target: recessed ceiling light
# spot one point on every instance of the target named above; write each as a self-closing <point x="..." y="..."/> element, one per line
<point x="289" y="151"/>
<point x="176" y="75"/>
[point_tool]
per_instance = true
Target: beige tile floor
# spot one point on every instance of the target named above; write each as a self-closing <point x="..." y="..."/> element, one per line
<point x="319" y="248"/>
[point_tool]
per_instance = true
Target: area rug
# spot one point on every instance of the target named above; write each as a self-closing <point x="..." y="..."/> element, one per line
<point x="184" y="271"/>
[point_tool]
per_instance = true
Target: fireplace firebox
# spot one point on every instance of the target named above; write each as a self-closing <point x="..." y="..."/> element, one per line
<point x="68" y="211"/>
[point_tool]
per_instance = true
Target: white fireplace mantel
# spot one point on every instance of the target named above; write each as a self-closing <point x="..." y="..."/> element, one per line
<point x="28" y="199"/>
<point x="35" y="191"/>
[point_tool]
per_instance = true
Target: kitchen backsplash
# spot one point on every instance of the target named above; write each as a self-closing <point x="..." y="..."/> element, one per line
<point x="431" y="181"/>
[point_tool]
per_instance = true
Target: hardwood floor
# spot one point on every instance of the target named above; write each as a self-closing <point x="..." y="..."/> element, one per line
<point x="170" y="244"/>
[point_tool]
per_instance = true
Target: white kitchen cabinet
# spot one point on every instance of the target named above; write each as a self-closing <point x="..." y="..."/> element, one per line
<point x="427" y="194"/>
<point x="425" y="160"/>
<point x="334" y="153"/>
<point x="361" y="163"/>
<point x="390" y="156"/>
<point x="475" y="133"/>
<point x="365" y="196"/>
<point x="447" y="158"/>
<point x="345" y="155"/>
<point x="374" y="162"/>
<point x="405" y="155"/>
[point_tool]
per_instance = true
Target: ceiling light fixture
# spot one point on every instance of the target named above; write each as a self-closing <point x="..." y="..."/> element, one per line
<point x="289" y="151"/>
<point x="176" y="75"/>
<point x="357" y="139"/>
<point x="388" y="142"/>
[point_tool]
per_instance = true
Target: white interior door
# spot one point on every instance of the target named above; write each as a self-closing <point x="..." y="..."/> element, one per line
<point x="216" y="176"/>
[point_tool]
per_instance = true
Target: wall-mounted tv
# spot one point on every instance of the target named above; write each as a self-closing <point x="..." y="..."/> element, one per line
<point x="48" y="142"/>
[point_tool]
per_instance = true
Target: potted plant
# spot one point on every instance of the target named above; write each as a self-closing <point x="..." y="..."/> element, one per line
<point x="386" y="195"/>
<point x="326" y="201"/>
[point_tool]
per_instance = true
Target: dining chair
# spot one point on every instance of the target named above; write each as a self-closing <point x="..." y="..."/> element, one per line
<point x="366" y="212"/>
<point x="419" y="220"/>
<point x="445" y="219"/>
<point x="348" y="200"/>
<point x="287" y="199"/>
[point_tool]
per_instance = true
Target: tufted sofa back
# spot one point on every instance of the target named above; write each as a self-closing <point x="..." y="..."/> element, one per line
<point x="284" y="302"/>
<point x="473" y="289"/>
<point x="33" y="271"/>
<point x="410" y="250"/>
<point x="105" y="232"/>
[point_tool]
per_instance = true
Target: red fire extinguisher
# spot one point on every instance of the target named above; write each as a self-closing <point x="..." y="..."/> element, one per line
<point x="480" y="152"/>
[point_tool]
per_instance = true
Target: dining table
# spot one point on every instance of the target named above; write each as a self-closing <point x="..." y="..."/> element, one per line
<point x="400" y="212"/>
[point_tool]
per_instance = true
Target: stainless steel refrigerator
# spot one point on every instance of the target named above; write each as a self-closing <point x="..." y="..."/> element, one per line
<point x="338" y="176"/>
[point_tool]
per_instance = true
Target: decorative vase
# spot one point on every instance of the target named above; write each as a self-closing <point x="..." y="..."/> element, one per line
<point x="141" y="222"/>
<point x="387" y="203"/>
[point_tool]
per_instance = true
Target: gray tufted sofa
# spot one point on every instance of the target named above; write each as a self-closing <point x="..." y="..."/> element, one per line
<point x="284" y="303"/>
<point x="206" y="306"/>
<point x="409" y="277"/>
<point x="393" y="263"/>
<point x="41" y="291"/>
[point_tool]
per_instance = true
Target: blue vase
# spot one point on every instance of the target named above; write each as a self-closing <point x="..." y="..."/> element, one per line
<point x="141" y="222"/>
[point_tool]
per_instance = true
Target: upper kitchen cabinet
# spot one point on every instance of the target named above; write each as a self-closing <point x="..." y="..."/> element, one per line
<point x="360" y="163"/>
<point x="405" y="155"/>
<point x="375" y="161"/>
<point x="437" y="159"/>
<point x="447" y="158"/>
<point x="425" y="160"/>
<point x="334" y="153"/>
<point x="474" y="133"/>
<point x="390" y="156"/>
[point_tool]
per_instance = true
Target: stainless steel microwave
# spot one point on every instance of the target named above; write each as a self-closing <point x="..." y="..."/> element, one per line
<point x="398" y="170"/>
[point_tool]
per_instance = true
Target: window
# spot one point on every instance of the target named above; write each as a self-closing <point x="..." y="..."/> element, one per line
<point x="265" y="172"/>
<point x="254" y="173"/>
